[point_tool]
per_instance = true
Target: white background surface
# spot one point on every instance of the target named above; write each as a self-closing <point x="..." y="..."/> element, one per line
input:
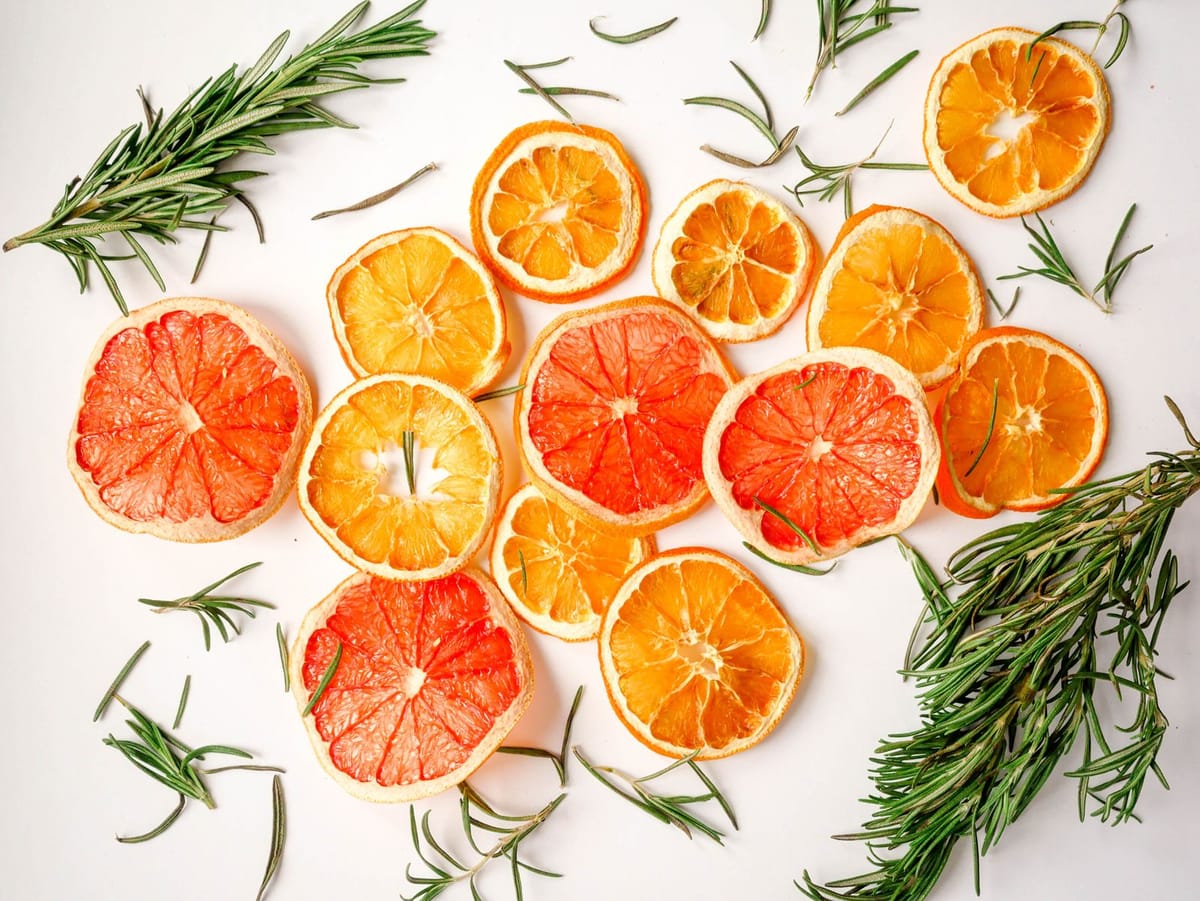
<point x="68" y="72"/>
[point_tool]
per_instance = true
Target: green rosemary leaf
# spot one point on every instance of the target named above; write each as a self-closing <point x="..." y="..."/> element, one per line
<point x="325" y="680"/>
<point x="278" y="835"/>
<point x="183" y="699"/>
<point x="634" y="36"/>
<point x="524" y="575"/>
<point x="157" y="830"/>
<point x="787" y="521"/>
<point x="566" y="739"/>
<point x="570" y="92"/>
<point x="762" y="20"/>
<point x="375" y="199"/>
<point x="1004" y="313"/>
<point x="111" y="691"/>
<point x="522" y="73"/>
<point x="776" y="155"/>
<point x="734" y="107"/>
<point x="1178" y="414"/>
<point x="283" y="657"/>
<point x="408" y="443"/>
<point x="203" y="251"/>
<point x="793" y="567"/>
<point x="499" y="392"/>
<point x="762" y="99"/>
<point x="258" y="223"/>
<point x="713" y="792"/>
<point x="987" y="438"/>
<point x="549" y="64"/>
<point x="804" y="384"/>
<point x="1122" y="39"/>
<point x="877" y="81"/>
<point x="1073" y="25"/>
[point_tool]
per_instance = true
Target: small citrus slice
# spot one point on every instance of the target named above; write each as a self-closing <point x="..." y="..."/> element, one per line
<point x="696" y="656"/>
<point x="1009" y="131"/>
<point x="558" y="572"/>
<point x="736" y="258"/>
<point x="354" y="486"/>
<point x="897" y="282"/>
<point x="558" y="211"/>
<point x="418" y="301"/>
<point x="837" y="443"/>
<point x="1048" y="432"/>
<point x="611" y="422"/>
<point x="191" y="421"/>
<point x="432" y="677"/>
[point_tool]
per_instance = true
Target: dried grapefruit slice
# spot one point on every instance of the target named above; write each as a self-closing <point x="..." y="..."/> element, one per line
<point x="190" y="423"/>
<point x="432" y="677"/>
<point x="1056" y="102"/>
<point x="611" y="421"/>
<point x="1049" y="431"/>
<point x="558" y="211"/>
<point x="839" y="441"/>
<point x="897" y="282"/>
<point x="736" y="258"/>
<point x="558" y="572"/>
<point x="697" y="656"/>
<point x="353" y="487"/>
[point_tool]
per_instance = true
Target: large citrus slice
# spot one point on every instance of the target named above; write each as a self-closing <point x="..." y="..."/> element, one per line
<point x="697" y="657"/>
<point x="559" y="572"/>
<point x="432" y="677"/>
<point x="418" y="301"/>
<point x="836" y="444"/>
<point x="1047" y="432"/>
<point x="1009" y="131"/>
<point x="558" y="211"/>
<point x="354" y="482"/>
<point x="611" y="421"/>
<point x="736" y="258"/>
<point x="190" y="422"/>
<point x="897" y="282"/>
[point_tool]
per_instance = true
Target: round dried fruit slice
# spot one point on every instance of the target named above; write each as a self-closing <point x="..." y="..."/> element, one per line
<point x="696" y="656"/>
<point x="558" y="572"/>
<point x="1047" y="432"/>
<point x="558" y="211"/>
<point x="432" y="676"/>
<point x="897" y="282"/>
<point x="418" y="301"/>
<point x="191" y="421"/>
<point x="821" y="454"/>
<point x="735" y="258"/>
<point x="365" y="487"/>
<point x="1012" y="127"/>
<point x="611" y="422"/>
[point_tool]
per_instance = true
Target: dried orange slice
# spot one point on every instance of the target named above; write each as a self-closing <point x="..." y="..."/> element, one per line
<point x="1008" y="135"/>
<point x="418" y="301"/>
<point x="558" y="211"/>
<point x="353" y="483"/>
<point x="697" y="656"/>
<point x="736" y="258"/>
<point x="191" y="421"/>
<point x="558" y="572"/>
<point x="897" y="282"/>
<point x="1049" y="429"/>
<point x="432" y="677"/>
<point x="837" y="443"/>
<point x="611" y="421"/>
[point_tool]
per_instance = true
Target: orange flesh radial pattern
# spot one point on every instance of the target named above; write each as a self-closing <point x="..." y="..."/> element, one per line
<point x="191" y="421"/>
<point x="1050" y="429"/>
<point x="1056" y="102"/>
<point x="839" y="441"/>
<point x="433" y="676"/>
<point x="697" y="656"/>
<point x="611" y="423"/>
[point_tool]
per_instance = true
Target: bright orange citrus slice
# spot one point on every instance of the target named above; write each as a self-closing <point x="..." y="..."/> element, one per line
<point x="1048" y="432"/>
<point x="558" y="211"/>
<point x="558" y="572"/>
<point x="191" y="421"/>
<point x="736" y="258"/>
<point x="611" y="421"/>
<point x="836" y="444"/>
<point x="1008" y="135"/>
<point x="354" y="487"/>
<point x="418" y="301"/>
<point x="697" y="656"/>
<point x="432" y="677"/>
<point x="897" y="282"/>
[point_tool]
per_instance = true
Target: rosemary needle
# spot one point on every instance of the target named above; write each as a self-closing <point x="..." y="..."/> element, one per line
<point x="560" y="759"/>
<point x="1005" y="313"/>
<point x="634" y="36"/>
<point x="762" y="20"/>
<point x="524" y="575"/>
<point x="408" y="445"/>
<point x="326" y="678"/>
<point x="278" y="834"/>
<point x="787" y="521"/>
<point x="841" y="27"/>
<point x="375" y="199"/>
<point x="203" y="250"/>
<point x="764" y="123"/>
<point x="522" y="72"/>
<point x="111" y="692"/>
<point x="877" y="81"/>
<point x="1099" y="27"/>
<point x="183" y="699"/>
<point x="283" y="657"/>
<point x="987" y="438"/>
<point x="792" y="567"/>
<point x="499" y="392"/>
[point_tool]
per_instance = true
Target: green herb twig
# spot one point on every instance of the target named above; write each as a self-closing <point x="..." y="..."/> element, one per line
<point x="376" y="199"/>
<point x="827" y="182"/>
<point x="987" y="438"/>
<point x="787" y="521"/>
<point x="408" y="445"/>
<point x="326" y="678"/>
<point x="791" y="567"/>
<point x="111" y="691"/>
<point x="155" y="179"/>
<point x="763" y="18"/>
<point x="283" y="657"/>
<point x="1101" y="28"/>
<point x="634" y="36"/>
<point x="499" y="392"/>
<point x="764" y="123"/>
<point x="1012" y="304"/>
<point x="278" y="835"/>
<point x="212" y="608"/>
<point x="878" y="80"/>
<point x="533" y="86"/>
<point x="841" y="27"/>
<point x="183" y="699"/>
<point x="559" y="759"/>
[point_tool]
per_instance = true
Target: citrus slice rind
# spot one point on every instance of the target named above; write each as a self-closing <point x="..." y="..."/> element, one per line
<point x="736" y="259"/>
<point x="897" y="282"/>
<point x="1057" y="102"/>
<point x="696" y="655"/>
<point x="557" y="571"/>
<point x="611" y="422"/>
<point x="352" y="485"/>
<point x="416" y="300"/>
<point x="191" y="421"/>
<point x="839" y="441"/>
<point x="432" y="678"/>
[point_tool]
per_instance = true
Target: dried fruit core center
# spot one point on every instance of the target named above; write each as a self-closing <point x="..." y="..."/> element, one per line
<point x="624" y="406"/>
<point x="555" y="213"/>
<point x="189" y="419"/>
<point x="819" y="448"/>
<point x="1006" y="126"/>
<point x="699" y="654"/>
<point x="414" y="681"/>
<point x="1026" y="420"/>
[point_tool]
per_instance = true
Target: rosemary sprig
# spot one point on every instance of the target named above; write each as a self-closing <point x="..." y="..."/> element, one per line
<point x="283" y="657"/>
<point x="827" y="182"/>
<point x="533" y="86"/>
<point x="841" y="28"/>
<point x="278" y="835"/>
<point x="183" y="699"/>
<point x="376" y="199"/>
<point x="762" y="20"/>
<point x="326" y="678"/>
<point x="764" y="123"/>
<point x="1100" y="28"/>
<point x="499" y="392"/>
<point x="154" y="179"/>
<point x="560" y="759"/>
<point x="1007" y="677"/>
<point x="408" y="445"/>
<point x="111" y="691"/>
<point x="878" y="80"/>
<point x="634" y="36"/>
<point x="1012" y="305"/>
<point x="212" y="608"/>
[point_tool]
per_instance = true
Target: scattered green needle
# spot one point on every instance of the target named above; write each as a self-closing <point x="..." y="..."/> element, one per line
<point x="877" y="81"/>
<point x="634" y="36"/>
<point x="111" y="692"/>
<point x="375" y="199"/>
<point x="325" y="680"/>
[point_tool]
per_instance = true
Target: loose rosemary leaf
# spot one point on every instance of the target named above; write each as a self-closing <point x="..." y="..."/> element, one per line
<point x="634" y="36"/>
